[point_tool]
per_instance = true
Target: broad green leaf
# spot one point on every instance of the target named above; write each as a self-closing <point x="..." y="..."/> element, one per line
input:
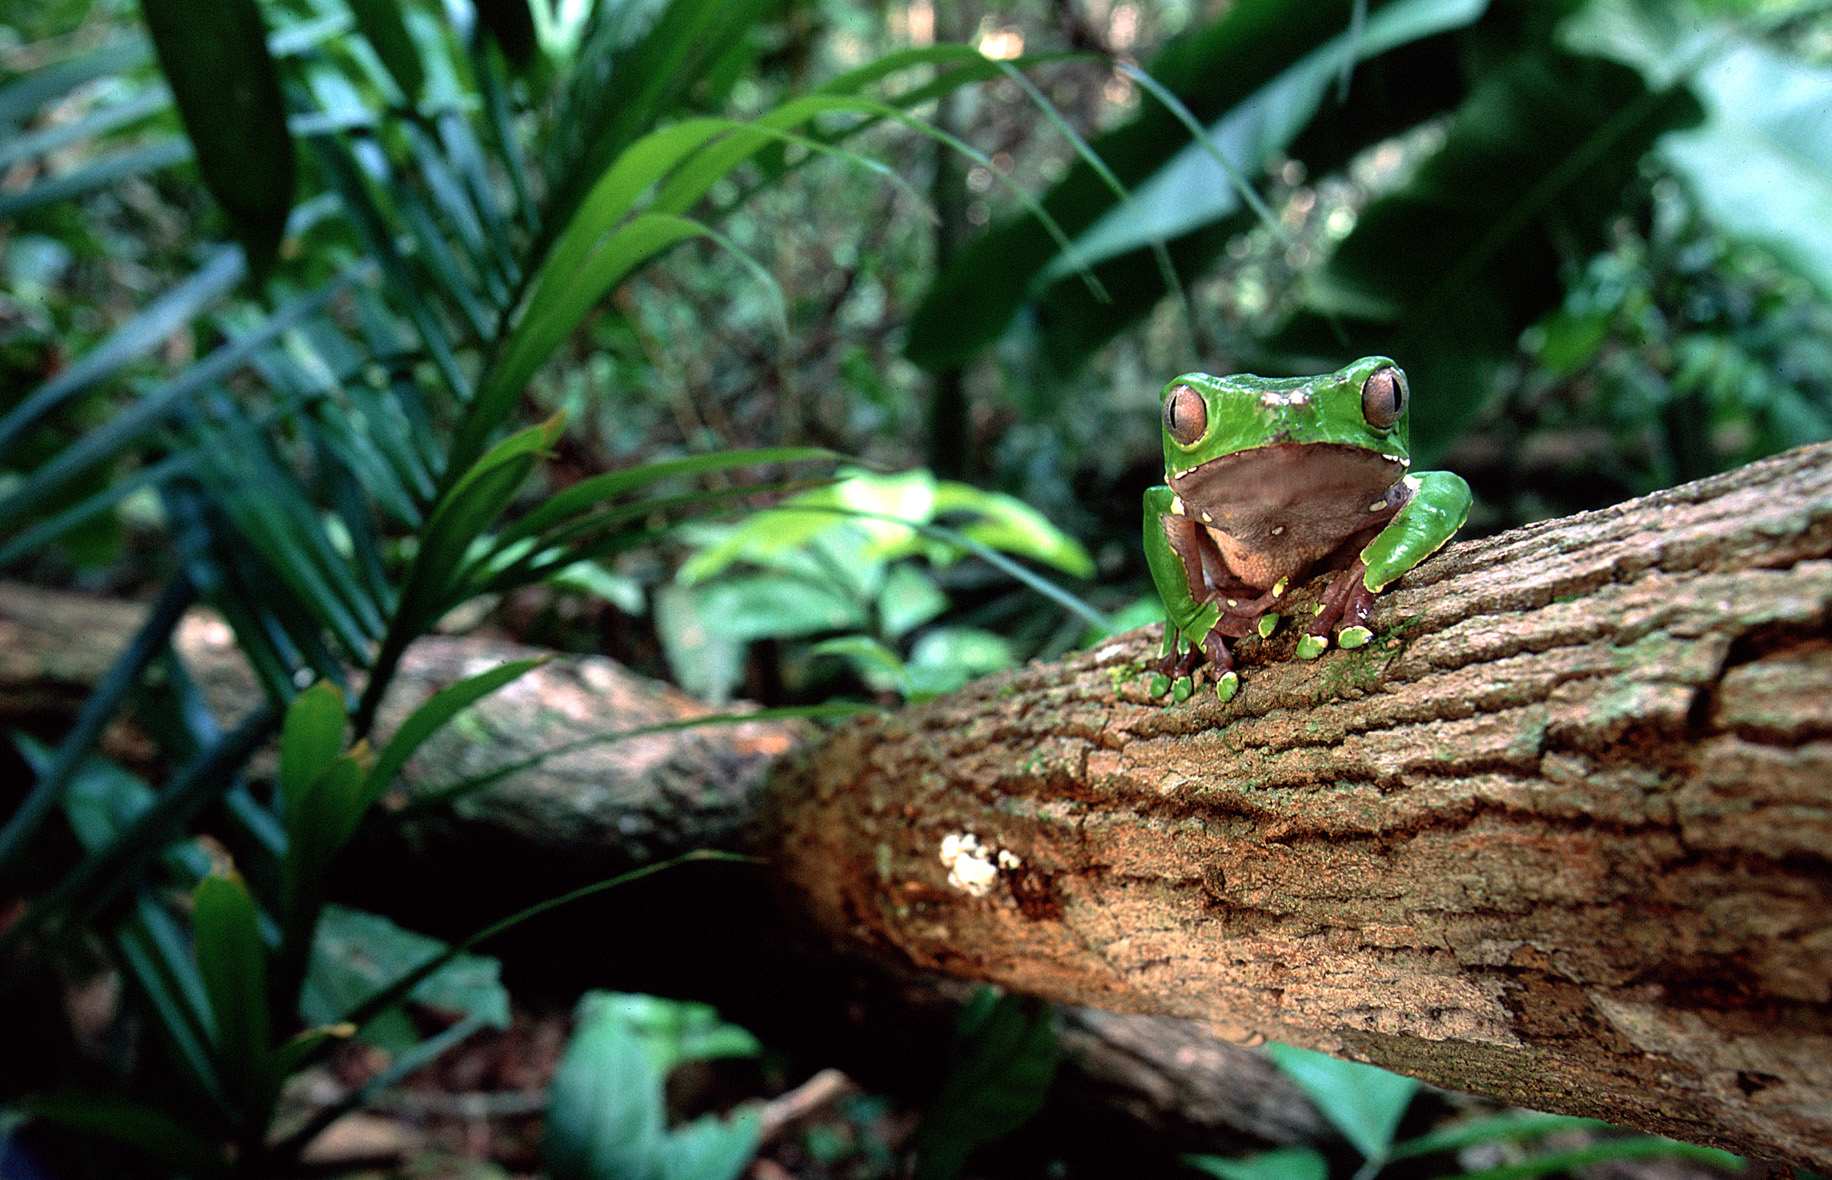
<point x="233" y="962"/>
<point x="150" y="1131"/>
<point x="606" y="1117"/>
<point x="1447" y="271"/>
<point x="908" y="496"/>
<point x="909" y="598"/>
<point x="673" y="1032"/>
<point x="711" y="1148"/>
<point x="946" y="658"/>
<point x="767" y="606"/>
<point x="705" y="659"/>
<point x="1191" y="189"/>
<point x="1010" y="525"/>
<point x="1363" y="1102"/>
<point x="605" y="1114"/>
<point x="876" y="664"/>
<point x="1763" y="110"/>
<point x="356" y="954"/>
<point x="593" y="579"/>
<point x="435" y="713"/>
<point x="311" y="737"/>
<point x="1289" y="1163"/>
<point x="1239" y="61"/>
<point x="1005" y="1059"/>
<point x="216" y="61"/>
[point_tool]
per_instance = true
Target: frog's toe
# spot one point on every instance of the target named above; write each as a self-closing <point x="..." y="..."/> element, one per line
<point x="1312" y="646"/>
<point x="1181" y="688"/>
<point x="1268" y="623"/>
<point x="1227" y="686"/>
<point x="1350" y="638"/>
<point x="1160" y="684"/>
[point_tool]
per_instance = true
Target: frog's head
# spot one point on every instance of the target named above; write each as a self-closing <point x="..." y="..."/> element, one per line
<point x="1361" y="405"/>
<point x="1343" y="428"/>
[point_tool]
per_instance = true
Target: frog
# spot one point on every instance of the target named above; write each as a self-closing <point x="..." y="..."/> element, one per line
<point x="1270" y="481"/>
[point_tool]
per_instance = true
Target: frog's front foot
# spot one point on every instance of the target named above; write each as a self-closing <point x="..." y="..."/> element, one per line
<point x="1227" y="680"/>
<point x="1175" y="674"/>
<point x="1347" y="603"/>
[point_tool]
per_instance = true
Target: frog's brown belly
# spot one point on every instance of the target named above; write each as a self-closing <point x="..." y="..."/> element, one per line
<point x="1275" y="512"/>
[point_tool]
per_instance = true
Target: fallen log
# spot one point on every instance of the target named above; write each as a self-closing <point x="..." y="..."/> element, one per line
<point x="1562" y="835"/>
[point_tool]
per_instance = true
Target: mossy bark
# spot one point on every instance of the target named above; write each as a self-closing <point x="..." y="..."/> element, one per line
<point x="1562" y="834"/>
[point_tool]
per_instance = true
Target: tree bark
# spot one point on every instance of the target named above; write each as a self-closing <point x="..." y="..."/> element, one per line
<point x="1560" y="835"/>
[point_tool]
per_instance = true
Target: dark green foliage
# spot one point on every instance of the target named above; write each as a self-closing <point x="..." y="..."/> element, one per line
<point x="606" y="1117"/>
<point x="1005" y="1057"/>
<point x="1450" y="269"/>
<point x="1362" y="1102"/>
<point x="1247" y="62"/>
<point x="341" y="461"/>
<point x="380" y="21"/>
<point x="214" y="54"/>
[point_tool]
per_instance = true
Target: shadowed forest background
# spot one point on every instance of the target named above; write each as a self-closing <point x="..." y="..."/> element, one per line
<point x="800" y="354"/>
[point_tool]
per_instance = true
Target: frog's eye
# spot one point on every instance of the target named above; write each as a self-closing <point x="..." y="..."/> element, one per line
<point x="1383" y="397"/>
<point x="1186" y="415"/>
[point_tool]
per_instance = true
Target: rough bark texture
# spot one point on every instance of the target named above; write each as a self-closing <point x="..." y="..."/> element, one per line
<point x="1561" y="834"/>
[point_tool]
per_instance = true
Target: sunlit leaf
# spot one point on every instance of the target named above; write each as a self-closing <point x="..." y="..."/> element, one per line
<point x="1763" y="110"/>
<point x="1364" y="1102"/>
<point x="311" y="737"/>
<point x="606" y="1115"/>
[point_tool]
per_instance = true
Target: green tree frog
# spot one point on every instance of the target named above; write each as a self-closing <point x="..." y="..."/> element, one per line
<point x="1270" y="480"/>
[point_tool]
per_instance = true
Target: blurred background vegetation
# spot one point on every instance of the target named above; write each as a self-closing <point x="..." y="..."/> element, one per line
<point x="335" y="315"/>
